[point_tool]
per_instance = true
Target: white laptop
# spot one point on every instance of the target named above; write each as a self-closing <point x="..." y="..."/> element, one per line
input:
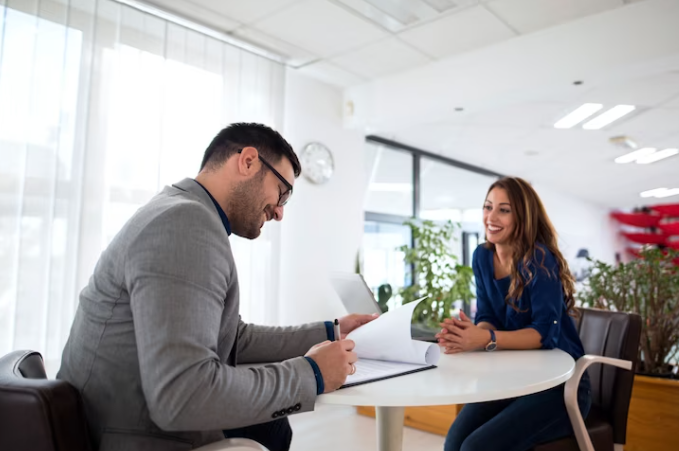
<point x="357" y="297"/>
<point x="354" y="293"/>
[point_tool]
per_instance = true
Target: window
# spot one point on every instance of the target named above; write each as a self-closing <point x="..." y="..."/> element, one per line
<point x="389" y="174"/>
<point x="101" y="105"/>
<point x="404" y="182"/>
<point x="382" y="262"/>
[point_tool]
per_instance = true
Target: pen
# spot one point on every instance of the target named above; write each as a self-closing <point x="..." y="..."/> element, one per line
<point x="337" y="330"/>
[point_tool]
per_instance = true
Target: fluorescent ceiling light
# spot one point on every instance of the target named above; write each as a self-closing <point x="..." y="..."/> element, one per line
<point x="653" y="192"/>
<point x="668" y="193"/>
<point x="391" y="187"/>
<point x="579" y="115"/>
<point x="609" y="116"/>
<point x="402" y="13"/>
<point x="661" y="192"/>
<point x="656" y="156"/>
<point x="441" y="5"/>
<point x="396" y="15"/>
<point x="635" y="155"/>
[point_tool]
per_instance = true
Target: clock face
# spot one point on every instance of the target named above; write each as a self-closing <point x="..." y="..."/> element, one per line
<point x="317" y="163"/>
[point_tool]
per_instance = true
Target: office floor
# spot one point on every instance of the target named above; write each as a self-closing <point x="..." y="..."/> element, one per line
<point x="338" y="428"/>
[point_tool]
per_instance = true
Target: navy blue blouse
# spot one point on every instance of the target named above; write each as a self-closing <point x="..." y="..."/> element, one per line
<point x="542" y="306"/>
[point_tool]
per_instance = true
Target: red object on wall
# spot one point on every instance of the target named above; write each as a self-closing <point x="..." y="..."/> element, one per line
<point x="645" y="238"/>
<point x="670" y="229"/>
<point x="637" y="219"/>
<point x="670" y="210"/>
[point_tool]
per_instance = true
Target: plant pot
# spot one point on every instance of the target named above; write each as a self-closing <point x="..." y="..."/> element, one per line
<point x="668" y="372"/>
<point x="653" y="415"/>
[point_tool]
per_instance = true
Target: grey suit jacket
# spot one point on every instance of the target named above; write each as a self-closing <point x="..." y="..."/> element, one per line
<point x="156" y="338"/>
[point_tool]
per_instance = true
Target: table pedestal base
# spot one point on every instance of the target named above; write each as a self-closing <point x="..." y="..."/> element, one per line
<point x="389" y="428"/>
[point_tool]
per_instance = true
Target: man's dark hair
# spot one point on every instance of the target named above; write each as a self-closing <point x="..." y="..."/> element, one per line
<point x="268" y="142"/>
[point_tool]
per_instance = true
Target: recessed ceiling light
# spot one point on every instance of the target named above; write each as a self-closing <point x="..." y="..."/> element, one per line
<point x="635" y="155"/>
<point x="609" y="116"/>
<point x="660" y="192"/>
<point x="580" y="114"/>
<point x="656" y="156"/>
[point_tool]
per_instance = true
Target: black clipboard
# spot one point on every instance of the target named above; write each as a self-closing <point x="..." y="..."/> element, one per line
<point x="417" y="370"/>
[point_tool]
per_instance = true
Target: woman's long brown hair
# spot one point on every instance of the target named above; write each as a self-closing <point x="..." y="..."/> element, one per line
<point x="531" y="226"/>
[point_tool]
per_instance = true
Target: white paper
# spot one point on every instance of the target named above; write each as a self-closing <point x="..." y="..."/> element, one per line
<point x="388" y="338"/>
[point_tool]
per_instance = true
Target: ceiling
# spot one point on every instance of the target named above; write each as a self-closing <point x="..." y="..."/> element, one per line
<point x="485" y="80"/>
<point x="348" y="42"/>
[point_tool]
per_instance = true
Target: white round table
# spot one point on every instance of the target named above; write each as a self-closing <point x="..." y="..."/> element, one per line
<point x="458" y="379"/>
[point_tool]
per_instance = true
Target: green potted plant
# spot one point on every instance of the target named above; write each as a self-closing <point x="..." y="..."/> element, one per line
<point x="438" y="273"/>
<point x="648" y="286"/>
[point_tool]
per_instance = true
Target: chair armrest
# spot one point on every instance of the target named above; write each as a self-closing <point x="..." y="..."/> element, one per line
<point x="570" y="395"/>
<point x="233" y="444"/>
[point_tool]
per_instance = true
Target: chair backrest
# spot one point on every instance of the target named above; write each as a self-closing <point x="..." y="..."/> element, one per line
<point x="37" y="414"/>
<point x="617" y="335"/>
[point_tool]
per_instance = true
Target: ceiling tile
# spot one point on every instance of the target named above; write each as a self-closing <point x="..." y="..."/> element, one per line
<point x="531" y="15"/>
<point x="381" y="58"/>
<point x="295" y="56"/>
<point x="203" y="13"/>
<point x="245" y="11"/>
<point x="331" y="74"/>
<point x="470" y="29"/>
<point x="320" y="27"/>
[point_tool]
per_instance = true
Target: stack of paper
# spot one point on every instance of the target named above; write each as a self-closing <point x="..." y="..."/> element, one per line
<point x="386" y="349"/>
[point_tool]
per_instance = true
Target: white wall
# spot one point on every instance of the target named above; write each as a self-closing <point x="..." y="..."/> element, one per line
<point x="323" y="224"/>
<point x="581" y="224"/>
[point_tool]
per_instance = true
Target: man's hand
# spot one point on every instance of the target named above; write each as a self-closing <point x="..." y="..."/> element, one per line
<point x="460" y="335"/>
<point x="351" y="322"/>
<point x="335" y="359"/>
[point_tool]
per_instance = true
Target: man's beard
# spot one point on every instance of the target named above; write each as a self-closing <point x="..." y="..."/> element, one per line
<point x="246" y="214"/>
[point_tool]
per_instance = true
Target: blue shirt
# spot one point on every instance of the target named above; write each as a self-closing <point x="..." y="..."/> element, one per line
<point x="220" y="210"/>
<point x="542" y="305"/>
<point x="330" y="332"/>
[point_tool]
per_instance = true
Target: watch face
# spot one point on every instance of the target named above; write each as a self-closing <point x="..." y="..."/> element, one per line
<point x="317" y="163"/>
<point x="491" y="347"/>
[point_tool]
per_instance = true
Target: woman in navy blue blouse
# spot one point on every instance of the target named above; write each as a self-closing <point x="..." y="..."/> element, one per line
<point x="524" y="301"/>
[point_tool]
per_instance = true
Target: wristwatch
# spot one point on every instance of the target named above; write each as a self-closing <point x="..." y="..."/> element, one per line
<point x="492" y="344"/>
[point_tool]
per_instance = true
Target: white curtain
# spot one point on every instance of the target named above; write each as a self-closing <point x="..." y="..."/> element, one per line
<point x="101" y="105"/>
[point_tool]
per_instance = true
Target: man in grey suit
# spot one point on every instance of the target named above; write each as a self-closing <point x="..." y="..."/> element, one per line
<point x="157" y="337"/>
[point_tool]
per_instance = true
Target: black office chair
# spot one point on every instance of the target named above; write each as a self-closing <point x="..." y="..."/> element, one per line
<point x="38" y="414"/>
<point x="611" y="342"/>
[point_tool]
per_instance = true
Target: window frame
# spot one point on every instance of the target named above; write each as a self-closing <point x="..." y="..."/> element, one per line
<point x="417" y="155"/>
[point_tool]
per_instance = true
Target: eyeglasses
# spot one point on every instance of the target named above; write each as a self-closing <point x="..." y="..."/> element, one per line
<point x="283" y="197"/>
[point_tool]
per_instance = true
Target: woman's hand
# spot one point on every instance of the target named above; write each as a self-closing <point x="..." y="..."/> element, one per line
<point x="460" y="335"/>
